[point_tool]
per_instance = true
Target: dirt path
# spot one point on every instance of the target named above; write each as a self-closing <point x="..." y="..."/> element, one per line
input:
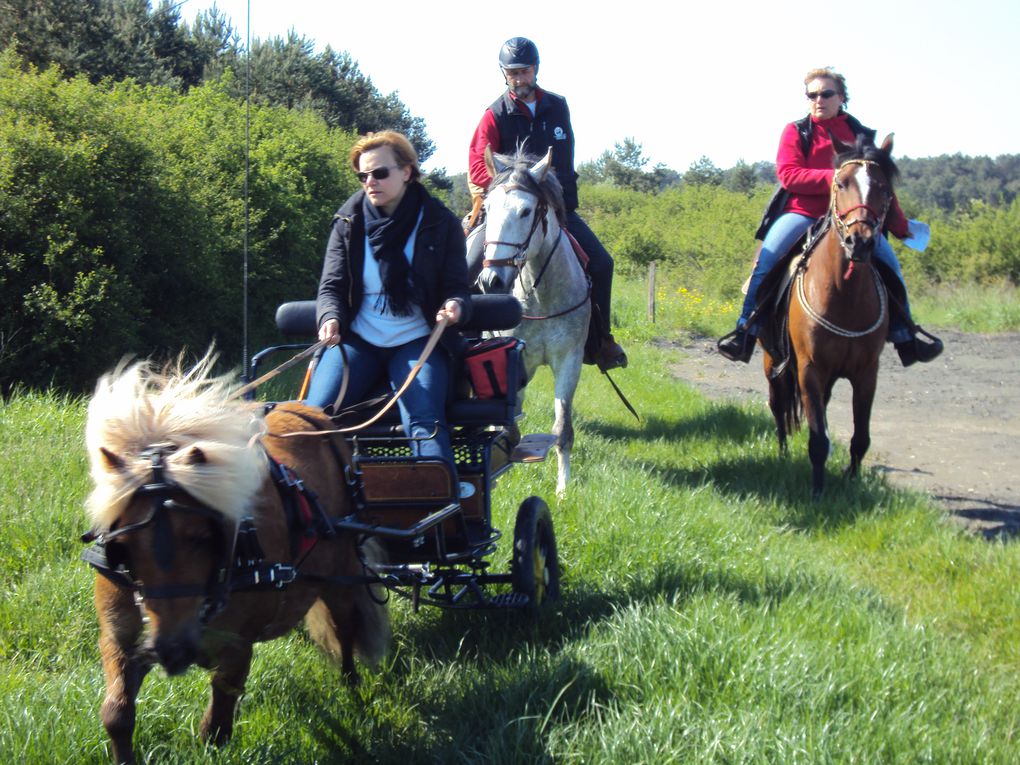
<point x="950" y="428"/>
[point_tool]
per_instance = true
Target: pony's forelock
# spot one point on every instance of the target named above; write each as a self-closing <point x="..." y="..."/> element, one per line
<point x="137" y="406"/>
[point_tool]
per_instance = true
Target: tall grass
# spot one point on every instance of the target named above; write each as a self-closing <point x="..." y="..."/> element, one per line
<point x="711" y="613"/>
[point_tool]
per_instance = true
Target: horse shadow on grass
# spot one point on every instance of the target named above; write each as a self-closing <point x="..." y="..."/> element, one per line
<point x="538" y="672"/>
<point x="782" y="479"/>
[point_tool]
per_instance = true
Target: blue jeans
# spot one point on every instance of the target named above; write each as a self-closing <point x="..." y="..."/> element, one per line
<point x="423" y="404"/>
<point x="784" y="233"/>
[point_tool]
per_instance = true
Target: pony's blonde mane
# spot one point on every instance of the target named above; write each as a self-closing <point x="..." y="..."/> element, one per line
<point x="137" y="406"/>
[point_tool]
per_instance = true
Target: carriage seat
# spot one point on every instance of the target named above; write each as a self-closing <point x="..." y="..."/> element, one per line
<point x="489" y="313"/>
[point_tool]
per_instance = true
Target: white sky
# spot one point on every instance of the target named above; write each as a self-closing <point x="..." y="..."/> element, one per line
<point x="683" y="79"/>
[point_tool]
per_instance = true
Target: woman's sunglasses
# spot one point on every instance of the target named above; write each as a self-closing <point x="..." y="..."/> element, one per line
<point x="820" y="93"/>
<point x="379" y="173"/>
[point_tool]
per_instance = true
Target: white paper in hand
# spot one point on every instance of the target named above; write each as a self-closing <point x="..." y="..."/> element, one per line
<point x="920" y="234"/>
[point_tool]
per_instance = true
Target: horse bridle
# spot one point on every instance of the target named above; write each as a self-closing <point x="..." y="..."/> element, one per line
<point x="520" y="255"/>
<point x="109" y="559"/>
<point x="874" y="219"/>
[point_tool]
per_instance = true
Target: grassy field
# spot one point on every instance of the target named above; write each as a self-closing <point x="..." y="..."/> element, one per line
<point x="711" y="612"/>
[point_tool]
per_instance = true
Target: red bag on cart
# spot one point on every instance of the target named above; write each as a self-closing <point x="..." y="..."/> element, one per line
<point x="486" y="365"/>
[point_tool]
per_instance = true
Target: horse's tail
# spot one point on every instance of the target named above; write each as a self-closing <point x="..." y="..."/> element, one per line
<point x="786" y="393"/>
<point x="353" y="619"/>
<point x="373" y="637"/>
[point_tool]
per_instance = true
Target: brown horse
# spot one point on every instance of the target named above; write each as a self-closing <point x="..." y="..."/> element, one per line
<point x="195" y="534"/>
<point x="838" y="314"/>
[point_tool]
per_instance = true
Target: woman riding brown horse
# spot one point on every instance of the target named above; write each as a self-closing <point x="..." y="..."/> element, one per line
<point x="838" y="314"/>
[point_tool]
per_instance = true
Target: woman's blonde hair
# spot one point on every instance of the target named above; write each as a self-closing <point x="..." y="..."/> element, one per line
<point x="833" y="75"/>
<point x="404" y="152"/>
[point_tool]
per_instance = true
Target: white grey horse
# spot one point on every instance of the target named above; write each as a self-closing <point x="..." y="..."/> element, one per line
<point x="527" y="251"/>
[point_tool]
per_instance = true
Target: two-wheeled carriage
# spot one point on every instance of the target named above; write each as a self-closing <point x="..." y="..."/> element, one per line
<point x="436" y="525"/>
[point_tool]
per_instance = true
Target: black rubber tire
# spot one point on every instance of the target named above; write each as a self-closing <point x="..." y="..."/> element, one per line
<point x="535" y="568"/>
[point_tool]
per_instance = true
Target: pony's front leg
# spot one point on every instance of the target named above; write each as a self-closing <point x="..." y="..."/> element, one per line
<point x="120" y="628"/>
<point x="813" y="400"/>
<point x="229" y="677"/>
<point x="567" y="375"/>
<point x="863" y="397"/>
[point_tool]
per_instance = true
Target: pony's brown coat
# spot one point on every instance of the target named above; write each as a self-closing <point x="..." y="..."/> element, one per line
<point x="344" y="618"/>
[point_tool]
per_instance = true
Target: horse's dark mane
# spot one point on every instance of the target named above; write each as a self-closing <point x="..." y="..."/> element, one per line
<point x="549" y="191"/>
<point x="865" y="149"/>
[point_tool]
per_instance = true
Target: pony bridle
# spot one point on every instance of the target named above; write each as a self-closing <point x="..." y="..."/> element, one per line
<point x="159" y="490"/>
<point x="872" y="218"/>
<point x="520" y="249"/>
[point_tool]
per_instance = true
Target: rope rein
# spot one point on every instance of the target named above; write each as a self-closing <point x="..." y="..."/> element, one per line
<point x="833" y="328"/>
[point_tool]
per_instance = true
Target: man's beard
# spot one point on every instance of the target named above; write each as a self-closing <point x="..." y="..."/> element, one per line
<point x="523" y="91"/>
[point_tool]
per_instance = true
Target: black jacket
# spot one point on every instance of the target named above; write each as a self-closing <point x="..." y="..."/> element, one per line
<point x="549" y="127"/>
<point x="438" y="266"/>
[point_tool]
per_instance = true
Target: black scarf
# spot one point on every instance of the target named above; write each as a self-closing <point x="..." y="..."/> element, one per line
<point x="388" y="236"/>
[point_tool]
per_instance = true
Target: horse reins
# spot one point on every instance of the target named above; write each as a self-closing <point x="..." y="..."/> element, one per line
<point x="437" y="332"/>
<point x="833" y="328"/>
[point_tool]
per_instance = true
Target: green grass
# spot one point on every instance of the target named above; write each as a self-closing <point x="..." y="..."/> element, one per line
<point x="711" y="612"/>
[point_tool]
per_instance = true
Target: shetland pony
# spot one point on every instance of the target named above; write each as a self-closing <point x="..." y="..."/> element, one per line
<point x="197" y="552"/>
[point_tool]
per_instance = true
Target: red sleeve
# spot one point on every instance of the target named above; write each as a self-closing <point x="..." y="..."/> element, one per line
<point x="896" y="222"/>
<point x="795" y="171"/>
<point x="486" y="134"/>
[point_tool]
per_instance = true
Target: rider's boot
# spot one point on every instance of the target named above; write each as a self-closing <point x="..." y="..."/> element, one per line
<point x="602" y="348"/>
<point x="915" y="349"/>
<point x="610" y="354"/>
<point x="737" y="346"/>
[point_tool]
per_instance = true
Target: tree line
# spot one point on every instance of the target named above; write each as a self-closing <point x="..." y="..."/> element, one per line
<point x="114" y="40"/>
<point x="946" y="183"/>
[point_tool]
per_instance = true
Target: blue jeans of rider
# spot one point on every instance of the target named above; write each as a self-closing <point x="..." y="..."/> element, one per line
<point x="784" y="233"/>
<point x="423" y="404"/>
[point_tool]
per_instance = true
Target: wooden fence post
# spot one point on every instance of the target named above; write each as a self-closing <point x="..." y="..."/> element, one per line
<point x="651" y="292"/>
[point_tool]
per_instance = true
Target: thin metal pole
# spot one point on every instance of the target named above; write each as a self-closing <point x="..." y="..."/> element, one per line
<point x="247" y="156"/>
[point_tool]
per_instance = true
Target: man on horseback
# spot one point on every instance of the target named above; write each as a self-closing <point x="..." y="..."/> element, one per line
<point x="804" y="165"/>
<point x="527" y="113"/>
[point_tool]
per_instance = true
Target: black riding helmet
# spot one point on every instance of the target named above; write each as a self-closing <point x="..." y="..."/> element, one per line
<point x="518" y="52"/>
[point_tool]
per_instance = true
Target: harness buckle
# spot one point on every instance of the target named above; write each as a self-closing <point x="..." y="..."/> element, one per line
<point x="281" y="575"/>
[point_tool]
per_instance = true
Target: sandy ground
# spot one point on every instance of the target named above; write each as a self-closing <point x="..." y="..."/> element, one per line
<point x="950" y="428"/>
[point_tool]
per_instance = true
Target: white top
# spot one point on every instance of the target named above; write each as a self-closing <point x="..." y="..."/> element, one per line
<point x="374" y="322"/>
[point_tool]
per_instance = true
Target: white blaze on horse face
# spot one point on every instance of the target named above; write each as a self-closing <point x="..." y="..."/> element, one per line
<point x="863" y="182"/>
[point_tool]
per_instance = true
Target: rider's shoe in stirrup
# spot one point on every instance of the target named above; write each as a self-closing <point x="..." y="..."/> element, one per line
<point x="916" y="349"/>
<point x="610" y="355"/>
<point x="737" y="346"/>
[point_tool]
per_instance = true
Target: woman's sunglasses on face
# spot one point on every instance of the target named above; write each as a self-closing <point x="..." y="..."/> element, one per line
<point x="379" y="173"/>
<point x="815" y="95"/>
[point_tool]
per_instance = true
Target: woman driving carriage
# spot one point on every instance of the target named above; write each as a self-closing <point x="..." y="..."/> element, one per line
<point x="804" y="165"/>
<point x="394" y="266"/>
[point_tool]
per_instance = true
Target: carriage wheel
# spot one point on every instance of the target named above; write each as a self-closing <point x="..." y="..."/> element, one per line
<point x="535" y="569"/>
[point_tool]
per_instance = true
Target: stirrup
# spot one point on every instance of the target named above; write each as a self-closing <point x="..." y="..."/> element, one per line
<point x="915" y="349"/>
<point x="738" y="345"/>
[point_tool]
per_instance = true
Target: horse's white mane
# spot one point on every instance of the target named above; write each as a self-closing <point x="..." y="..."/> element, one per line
<point x="137" y="406"/>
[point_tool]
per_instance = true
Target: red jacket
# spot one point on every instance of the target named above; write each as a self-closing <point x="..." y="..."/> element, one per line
<point x="809" y="179"/>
